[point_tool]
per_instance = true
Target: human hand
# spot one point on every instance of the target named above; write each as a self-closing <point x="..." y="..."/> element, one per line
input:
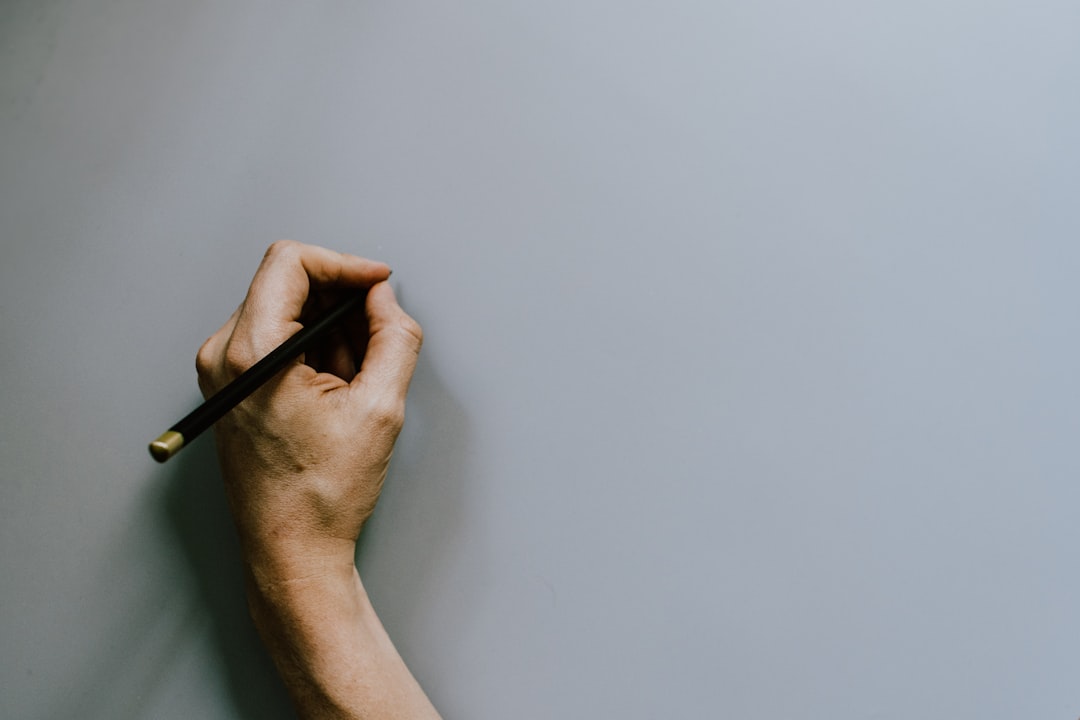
<point x="305" y="456"/>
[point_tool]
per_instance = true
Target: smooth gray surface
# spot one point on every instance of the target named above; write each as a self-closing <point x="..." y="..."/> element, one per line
<point x="750" y="388"/>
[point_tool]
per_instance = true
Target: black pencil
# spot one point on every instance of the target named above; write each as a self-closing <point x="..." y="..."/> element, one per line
<point x="248" y="382"/>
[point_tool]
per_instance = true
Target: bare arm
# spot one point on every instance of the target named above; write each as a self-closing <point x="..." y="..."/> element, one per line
<point x="304" y="459"/>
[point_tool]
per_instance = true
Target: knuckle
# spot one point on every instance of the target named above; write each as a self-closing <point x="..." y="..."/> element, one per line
<point x="204" y="359"/>
<point x="282" y="247"/>
<point x="411" y="331"/>
<point x="387" y="413"/>
<point x="237" y="359"/>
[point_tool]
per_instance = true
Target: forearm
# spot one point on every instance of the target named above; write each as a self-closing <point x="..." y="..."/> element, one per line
<point x="331" y="649"/>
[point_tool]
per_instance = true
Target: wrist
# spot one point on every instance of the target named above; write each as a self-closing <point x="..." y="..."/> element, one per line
<point x="333" y="593"/>
<point x="279" y="563"/>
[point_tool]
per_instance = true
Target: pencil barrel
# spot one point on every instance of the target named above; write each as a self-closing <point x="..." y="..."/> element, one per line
<point x="215" y="407"/>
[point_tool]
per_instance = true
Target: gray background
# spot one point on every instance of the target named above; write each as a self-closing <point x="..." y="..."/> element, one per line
<point x="750" y="386"/>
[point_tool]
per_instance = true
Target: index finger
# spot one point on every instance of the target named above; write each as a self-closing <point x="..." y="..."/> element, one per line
<point x="271" y="310"/>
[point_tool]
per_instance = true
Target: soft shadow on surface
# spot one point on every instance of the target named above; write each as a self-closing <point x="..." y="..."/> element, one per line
<point x="139" y="639"/>
<point x="198" y="514"/>
<point x="175" y="571"/>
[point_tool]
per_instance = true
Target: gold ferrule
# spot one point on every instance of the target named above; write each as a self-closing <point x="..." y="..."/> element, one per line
<point x="167" y="445"/>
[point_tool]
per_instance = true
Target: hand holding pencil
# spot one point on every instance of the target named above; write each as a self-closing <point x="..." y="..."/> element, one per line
<point x="304" y="456"/>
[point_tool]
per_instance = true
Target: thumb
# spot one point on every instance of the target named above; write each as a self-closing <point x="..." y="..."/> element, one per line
<point x="393" y="346"/>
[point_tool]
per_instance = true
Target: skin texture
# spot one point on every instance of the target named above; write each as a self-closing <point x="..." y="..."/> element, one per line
<point x="304" y="459"/>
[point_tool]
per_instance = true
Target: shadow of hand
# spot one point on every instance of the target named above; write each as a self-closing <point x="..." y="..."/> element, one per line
<point x="199" y="517"/>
